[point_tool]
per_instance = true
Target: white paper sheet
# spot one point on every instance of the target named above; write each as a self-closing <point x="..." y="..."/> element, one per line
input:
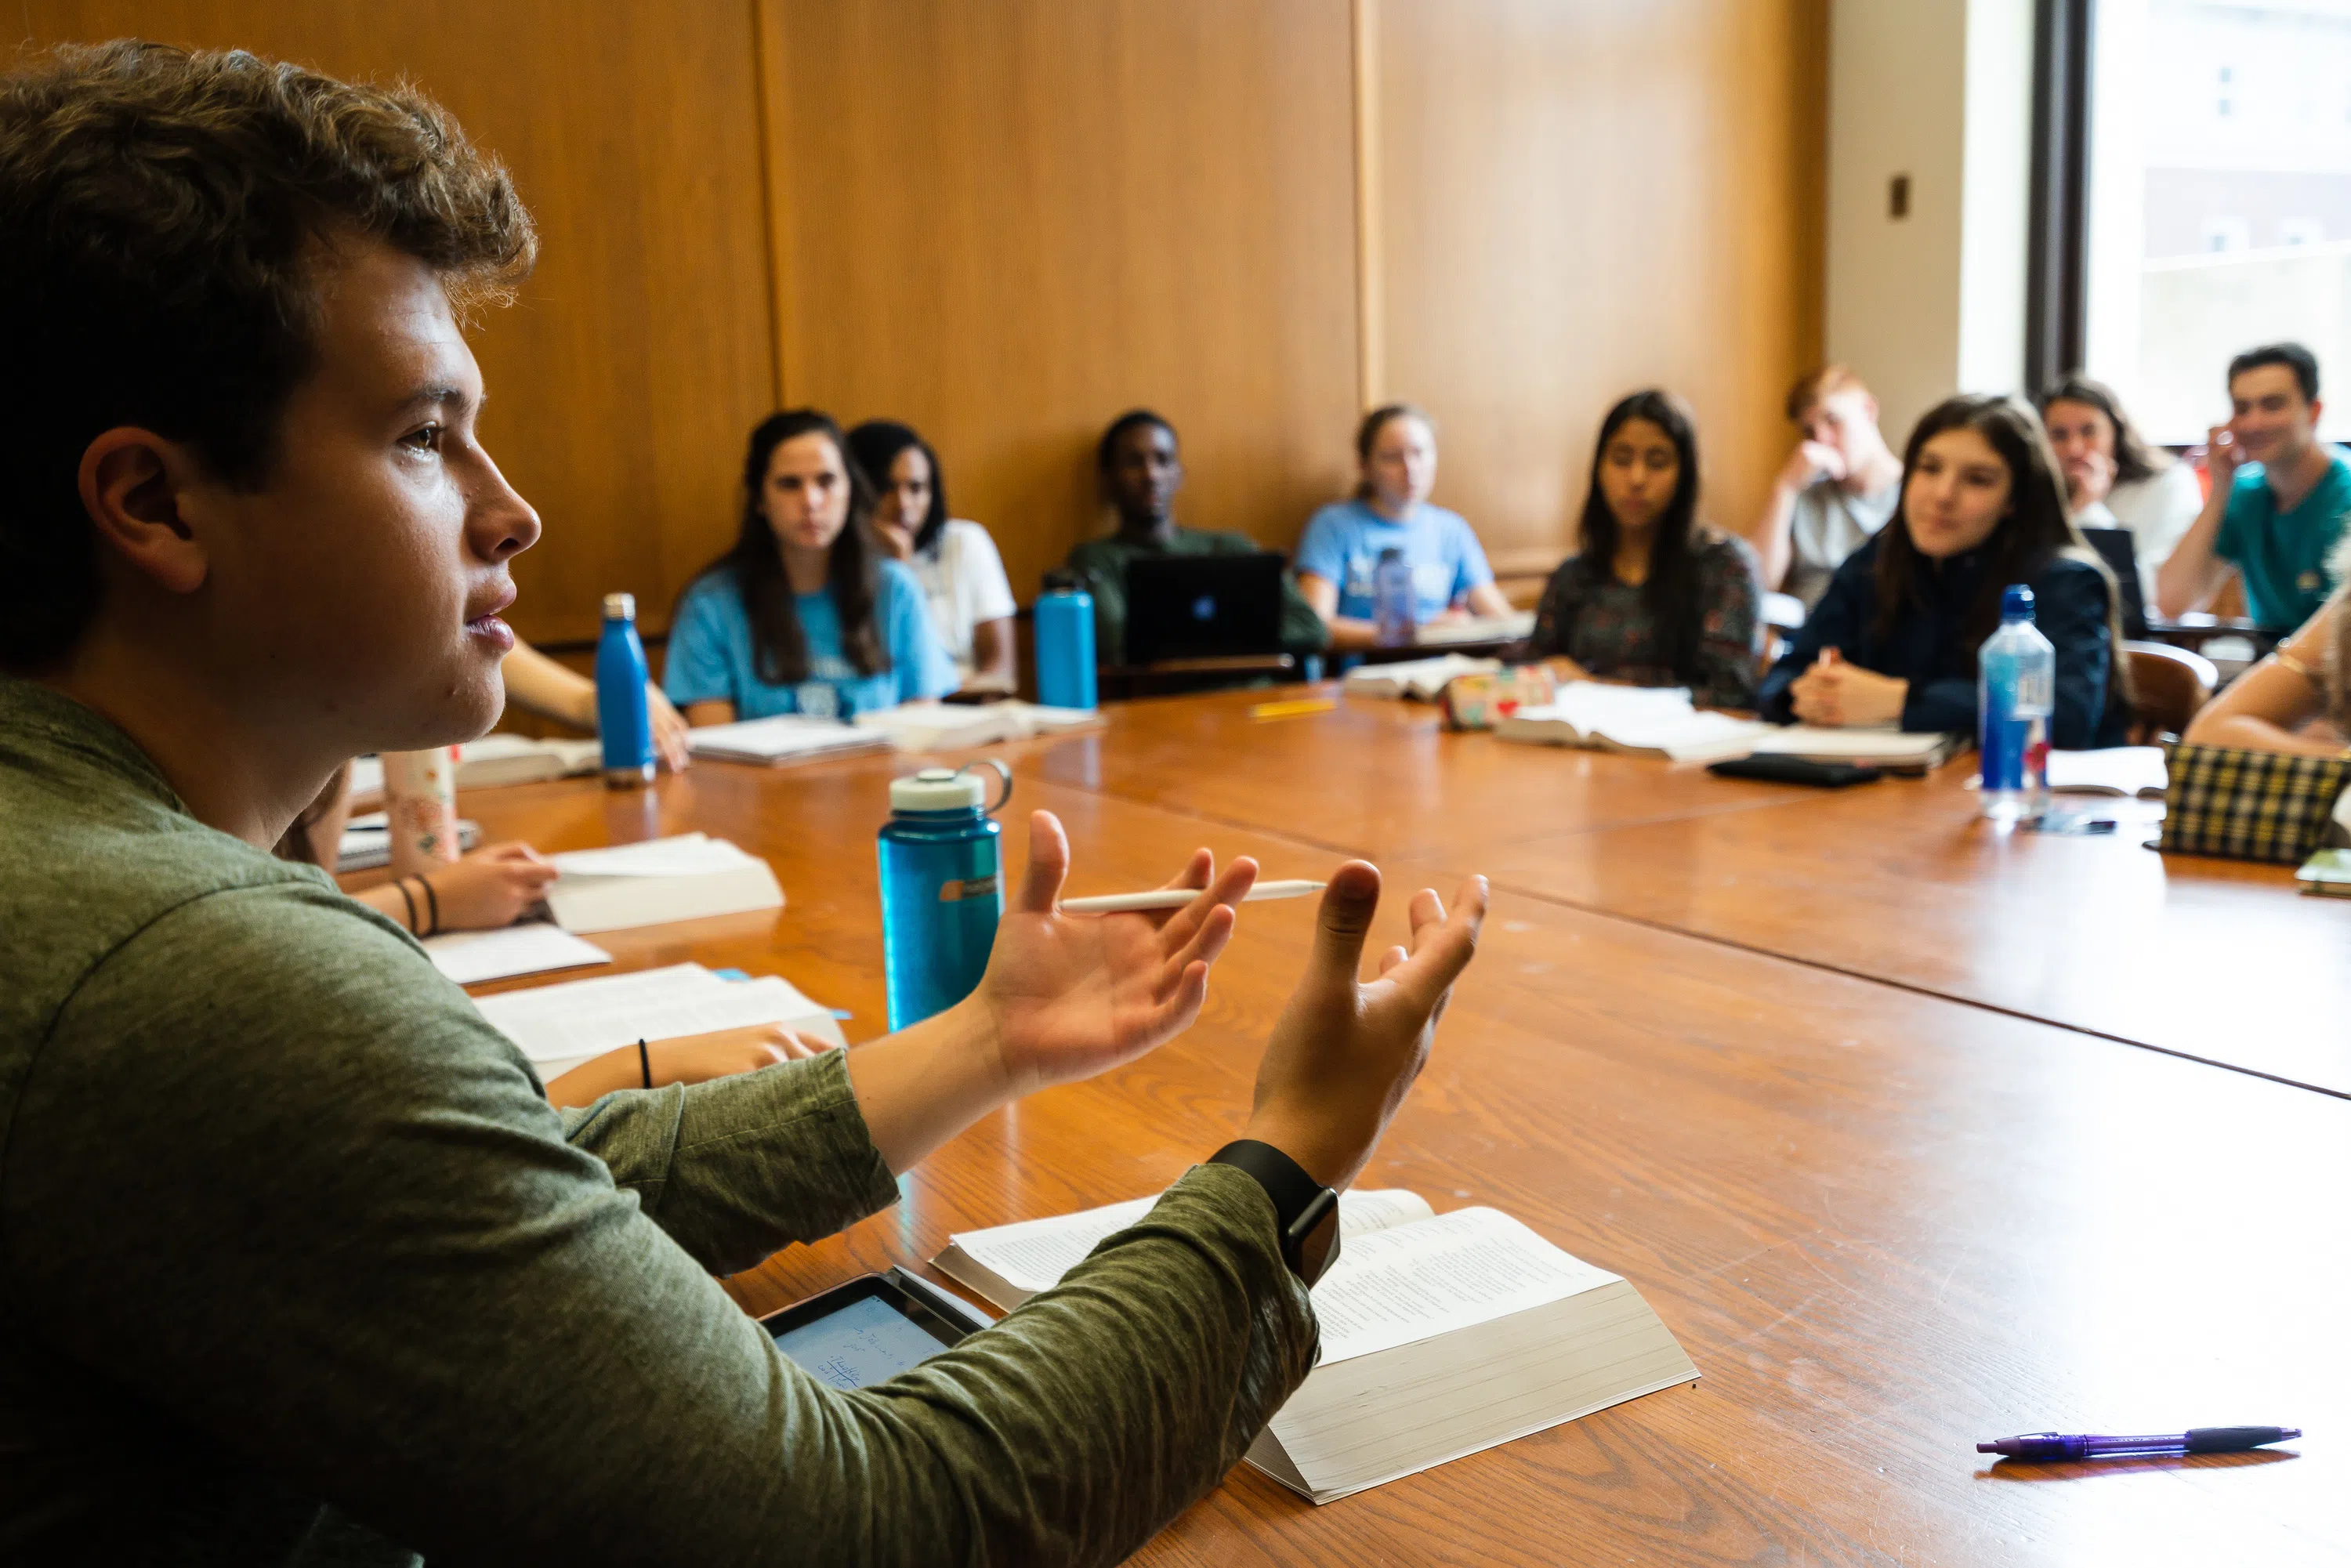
<point x="686" y="854"/>
<point x="470" y="958"/>
<point x="1392" y="1287"/>
<point x="562" y="1023"/>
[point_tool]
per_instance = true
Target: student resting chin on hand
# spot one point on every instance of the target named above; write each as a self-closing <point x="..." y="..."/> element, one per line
<point x="1893" y="641"/>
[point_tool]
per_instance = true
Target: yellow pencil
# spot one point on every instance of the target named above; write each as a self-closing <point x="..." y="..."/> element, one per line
<point x="1296" y="709"/>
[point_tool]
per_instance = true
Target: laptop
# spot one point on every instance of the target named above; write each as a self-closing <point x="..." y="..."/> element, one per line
<point x="1202" y="606"/>
<point x="2120" y="548"/>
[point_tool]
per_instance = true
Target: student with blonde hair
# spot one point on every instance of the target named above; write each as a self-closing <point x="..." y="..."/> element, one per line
<point x="1837" y="490"/>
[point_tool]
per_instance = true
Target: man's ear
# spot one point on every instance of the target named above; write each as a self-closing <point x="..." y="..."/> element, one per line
<point x="2317" y="412"/>
<point x="131" y="484"/>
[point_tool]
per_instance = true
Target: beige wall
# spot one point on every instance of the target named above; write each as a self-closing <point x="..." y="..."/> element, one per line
<point x="1006" y="222"/>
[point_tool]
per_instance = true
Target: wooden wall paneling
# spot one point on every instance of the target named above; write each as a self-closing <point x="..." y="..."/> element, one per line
<point x="1009" y="223"/>
<point x="623" y="382"/>
<point x="1580" y="199"/>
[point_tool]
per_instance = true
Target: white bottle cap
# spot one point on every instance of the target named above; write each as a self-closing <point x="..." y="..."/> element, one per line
<point x="937" y="789"/>
<point x="620" y="607"/>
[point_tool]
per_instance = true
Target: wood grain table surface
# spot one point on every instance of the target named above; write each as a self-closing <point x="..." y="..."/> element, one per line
<point x="1883" y="1223"/>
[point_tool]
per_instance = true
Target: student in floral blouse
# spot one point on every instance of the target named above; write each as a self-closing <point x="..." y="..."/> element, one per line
<point x="1657" y="597"/>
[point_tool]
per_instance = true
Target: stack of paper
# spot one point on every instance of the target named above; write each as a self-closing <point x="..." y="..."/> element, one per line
<point x="560" y="1027"/>
<point x="684" y="878"/>
<point x="949" y="727"/>
<point x="783" y="740"/>
<point x="470" y="958"/>
<point x="1511" y="627"/>
<point x="1422" y="678"/>
<point x="2110" y="770"/>
<point x="1442" y="1336"/>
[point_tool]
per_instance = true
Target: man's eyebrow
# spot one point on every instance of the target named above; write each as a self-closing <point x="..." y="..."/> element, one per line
<point x="437" y="394"/>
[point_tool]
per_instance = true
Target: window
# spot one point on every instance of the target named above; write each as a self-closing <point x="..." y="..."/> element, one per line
<point x="2219" y="200"/>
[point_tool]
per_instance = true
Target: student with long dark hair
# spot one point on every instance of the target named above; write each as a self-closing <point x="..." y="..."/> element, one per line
<point x="2114" y="479"/>
<point x="1893" y="641"/>
<point x="957" y="564"/>
<point x="804" y="614"/>
<point x="1654" y="596"/>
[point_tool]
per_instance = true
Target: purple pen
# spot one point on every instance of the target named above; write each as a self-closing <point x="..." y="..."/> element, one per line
<point x="2047" y="1446"/>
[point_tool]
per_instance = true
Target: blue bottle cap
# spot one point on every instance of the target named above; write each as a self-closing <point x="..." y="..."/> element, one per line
<point x="2016" y="602"/>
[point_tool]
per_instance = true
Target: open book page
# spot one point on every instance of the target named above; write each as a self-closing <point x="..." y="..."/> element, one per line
<point x="1407" y="1283"/>
<point x="1420" y="677"/>
<point x="2110" y="770"/>
<point x="773" y="739"/>
<point x="563" y="1023"/>
<point x="469" y="957"/>
<point x="687" y="854"/>
<point x="1033" y="1254"/>
<point x="1519" y="623"/>
<point x="1688" y="736"/>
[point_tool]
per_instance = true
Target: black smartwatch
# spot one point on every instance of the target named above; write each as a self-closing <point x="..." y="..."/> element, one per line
<point x="1305" y="1212"/>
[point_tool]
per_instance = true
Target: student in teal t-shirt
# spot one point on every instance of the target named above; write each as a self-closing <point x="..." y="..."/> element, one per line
<point x="804" y="614"/>
<point x="2280" y="497"/>
<point x="1396" y="447"/>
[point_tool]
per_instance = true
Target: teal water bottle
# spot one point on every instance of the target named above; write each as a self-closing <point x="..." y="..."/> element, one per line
<point x="622" y="720"/>
<point x="1065" y="643"/>
<point x="942" y="887"/>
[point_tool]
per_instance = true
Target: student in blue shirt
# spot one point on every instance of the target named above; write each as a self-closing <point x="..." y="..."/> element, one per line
<point x="2280" y="496"/>
<point x="1894" y="640"/>
<point x="804" y="614"/>
<point x="1396" y="447"/>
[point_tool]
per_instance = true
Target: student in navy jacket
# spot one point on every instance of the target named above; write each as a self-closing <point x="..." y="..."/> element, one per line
<point x="1895" y="638"/>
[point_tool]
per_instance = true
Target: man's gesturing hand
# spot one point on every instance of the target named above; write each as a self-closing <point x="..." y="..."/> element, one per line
<point x="1343" y="1054"/>
<point x="1074" y="994"/>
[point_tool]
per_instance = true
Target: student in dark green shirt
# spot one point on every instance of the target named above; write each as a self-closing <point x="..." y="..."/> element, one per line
<point x="296" y="1263"/>
<point x="1142" y="469"/>
<point x="2280" y="499"/>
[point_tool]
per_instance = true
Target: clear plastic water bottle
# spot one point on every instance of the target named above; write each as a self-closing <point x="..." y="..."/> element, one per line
<point x="942" y="887"/>
<point x="623" y="718"/>
<point x="1065" y="643"/>
<point x="2016" y="691"/>
<point x="1391" y="603"/>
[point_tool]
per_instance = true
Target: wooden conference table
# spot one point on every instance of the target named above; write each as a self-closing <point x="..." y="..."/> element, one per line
<point x="1820" y="1073"/>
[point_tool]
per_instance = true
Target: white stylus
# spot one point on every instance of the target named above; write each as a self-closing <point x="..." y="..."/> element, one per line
<point x="1177" y="897"/>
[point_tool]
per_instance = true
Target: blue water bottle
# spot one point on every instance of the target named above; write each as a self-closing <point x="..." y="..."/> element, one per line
<point x="1392" y="605"/>
<point x="2016" y="692"/>
<point x="622" y="718"/>
<point x="942" y="887"/>
<point x="1065" y="643"/>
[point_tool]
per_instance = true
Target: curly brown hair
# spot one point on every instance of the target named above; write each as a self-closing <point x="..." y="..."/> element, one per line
<point x="163" y="214"/>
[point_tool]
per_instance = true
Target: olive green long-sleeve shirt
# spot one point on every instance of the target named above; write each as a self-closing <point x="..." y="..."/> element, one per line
<point x="296" y="1263"/>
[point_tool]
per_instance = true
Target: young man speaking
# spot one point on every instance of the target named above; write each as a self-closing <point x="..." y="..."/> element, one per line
<point x="297" y="1264"/>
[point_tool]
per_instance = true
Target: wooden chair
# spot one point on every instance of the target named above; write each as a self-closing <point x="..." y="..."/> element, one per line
<point x="2168" y="685"/>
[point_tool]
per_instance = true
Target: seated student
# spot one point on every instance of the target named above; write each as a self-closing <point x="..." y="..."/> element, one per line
<point x="2280" y="496"/>
<point x="2114" y="479"/>
<point x="250" y="531"/>
<point x="1655" y="597"/>
<point x="1837" y="490"/>
<point x="2297" y="700"/>
<point x="961" y="574"/>
<point x="536" y="683"/>
<point x="1395" y="451"/>
<point x="804" y="614"/>
<point x="1894" y="640"/>
<point x="1140" y="470"/>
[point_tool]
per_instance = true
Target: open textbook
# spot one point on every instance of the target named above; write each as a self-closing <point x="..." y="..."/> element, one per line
<point x="685" y="877"/>
<point x="1442" y="1334"/>
<point x="561" y="1026"/>
<point x="1452" y="633"/>
<point x="947" y="727"/>
<point x="1659" y="721"/>
<point x="1422" y="678"/>
<point x="2126" y="771"/>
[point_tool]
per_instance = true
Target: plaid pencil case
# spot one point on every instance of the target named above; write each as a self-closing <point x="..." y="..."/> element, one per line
<point x="2249" y="805"/>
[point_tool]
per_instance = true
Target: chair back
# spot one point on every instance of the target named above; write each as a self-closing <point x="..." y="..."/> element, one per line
<point x="2168" y="687"/>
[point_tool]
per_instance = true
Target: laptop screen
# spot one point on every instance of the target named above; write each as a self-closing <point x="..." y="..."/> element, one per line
<point x="1202" y="606"/>
<point x="2120" y="550"/>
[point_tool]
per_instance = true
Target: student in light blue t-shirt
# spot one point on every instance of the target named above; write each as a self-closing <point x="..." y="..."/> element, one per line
<point x="804" y="614"/>
<point x="1396" y="447"/>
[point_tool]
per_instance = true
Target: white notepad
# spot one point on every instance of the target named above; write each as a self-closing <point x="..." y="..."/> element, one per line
<point x="1442" y="1334"/>
<point x="470" y="958"/>
<point x="561" y="1026"/>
